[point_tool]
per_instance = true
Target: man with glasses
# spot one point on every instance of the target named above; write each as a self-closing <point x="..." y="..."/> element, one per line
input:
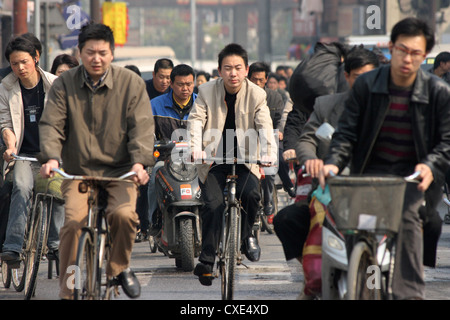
<point x="397" y="121"/>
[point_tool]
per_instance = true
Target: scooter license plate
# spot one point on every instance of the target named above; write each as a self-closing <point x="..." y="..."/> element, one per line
<point x="186" y="191"/>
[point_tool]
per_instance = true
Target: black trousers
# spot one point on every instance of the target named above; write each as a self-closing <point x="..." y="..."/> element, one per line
<point x="291" y="225"/>
<point x="213" y="196"/>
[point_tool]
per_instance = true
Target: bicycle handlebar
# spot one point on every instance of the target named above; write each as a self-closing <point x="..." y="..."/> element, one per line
<point x="20" y="158"/>
<point x="122" y="178"/>
<point x="237" y="161"/>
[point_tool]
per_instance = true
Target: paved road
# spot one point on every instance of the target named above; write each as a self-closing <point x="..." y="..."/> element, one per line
<point x="272" y="278"/>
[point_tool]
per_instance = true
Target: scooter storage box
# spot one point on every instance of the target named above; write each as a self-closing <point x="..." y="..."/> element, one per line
<point x="367" y="203"/>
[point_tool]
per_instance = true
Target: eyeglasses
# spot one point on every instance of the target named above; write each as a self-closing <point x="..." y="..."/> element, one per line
<point x="415" y="54"/>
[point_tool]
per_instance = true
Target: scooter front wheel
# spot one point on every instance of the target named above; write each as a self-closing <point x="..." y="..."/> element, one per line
<point x="186" y="240"/>
<point x="361" y="284"/>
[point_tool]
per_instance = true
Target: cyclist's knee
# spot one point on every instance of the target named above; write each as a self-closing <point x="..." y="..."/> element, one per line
<point x="123" y="214"/>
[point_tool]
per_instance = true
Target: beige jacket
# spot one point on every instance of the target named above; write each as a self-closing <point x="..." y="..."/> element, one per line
<point x="11" y="104"/>
<point x="207" y="120"/>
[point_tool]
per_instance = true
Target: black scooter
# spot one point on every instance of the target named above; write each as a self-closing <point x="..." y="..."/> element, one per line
<point x="179" y="201"/>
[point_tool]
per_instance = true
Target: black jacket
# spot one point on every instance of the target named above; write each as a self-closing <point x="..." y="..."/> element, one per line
<point x="364" y="115"/>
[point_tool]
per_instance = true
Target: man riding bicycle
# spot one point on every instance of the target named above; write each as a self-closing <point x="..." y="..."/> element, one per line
<point x="98" y="122"/>
<point x="224" y="116"/>
<point x="396" y="121"/>
<point x="22" y="99"/>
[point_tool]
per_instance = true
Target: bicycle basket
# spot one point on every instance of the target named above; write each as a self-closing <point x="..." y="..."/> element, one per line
<point x="367" y="203"/>
<point x="51" y="186"/>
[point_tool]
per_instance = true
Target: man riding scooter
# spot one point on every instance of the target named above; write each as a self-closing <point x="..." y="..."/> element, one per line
<point x="170" y="111"/>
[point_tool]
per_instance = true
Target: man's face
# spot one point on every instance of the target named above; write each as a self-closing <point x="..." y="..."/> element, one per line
<point x="408" y="53"/>
<point x="233" y="72"/>
<point x="355" y="73"/>
<point x="96" y="57"/>
<point x="183" y="87"/>
<point x="272" y="83"/>
<point x="22" y="64"/>
<point x="445" y="66"/>
<point x="259" y="78"/>
<point x="161" y="79"/>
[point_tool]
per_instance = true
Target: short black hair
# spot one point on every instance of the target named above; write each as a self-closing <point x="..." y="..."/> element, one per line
<point x="37" y="44"/>
<point x="414" y="27"/>
<point x="205" y="74"/>
<point x="133" y="68"/>
<point x="441" y="57"/>
<point x="259" y="67"/>
<point x="181" y="70"/>
<point x="359" y="57"/>
<point x="20" y="43"/>
<point x="233" y="49"/>
<point x="96" y="31"/>
<point x="162" y="63"/>
<point x="71" y="61"/>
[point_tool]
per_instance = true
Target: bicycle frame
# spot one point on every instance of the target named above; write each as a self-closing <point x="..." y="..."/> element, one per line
<point x="97" y="230"/>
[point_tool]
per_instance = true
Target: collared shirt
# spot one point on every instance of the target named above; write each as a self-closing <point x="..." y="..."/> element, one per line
<point x="89" y="80"/>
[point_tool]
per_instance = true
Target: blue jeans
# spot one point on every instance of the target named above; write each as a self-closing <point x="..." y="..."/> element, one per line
<point x="20" y="207"/>
<point x="55" y="225"/>
<point x="152" y="202"/>
<point x="21" y="199"/>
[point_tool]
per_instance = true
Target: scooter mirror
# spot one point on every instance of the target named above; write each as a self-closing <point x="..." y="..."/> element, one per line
<point x="325" y="132"/>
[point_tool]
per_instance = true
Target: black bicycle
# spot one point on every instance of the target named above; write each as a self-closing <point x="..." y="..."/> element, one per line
<point x="91" y="281"/>
<point x="229" y="244"/>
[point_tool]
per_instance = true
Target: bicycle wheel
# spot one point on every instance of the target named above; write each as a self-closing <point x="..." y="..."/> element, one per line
<point x="86" y="287"/>
<point x="228" y="267"/>
<point x="6" y="275"/>
<point x="35" y="246"/>
<point x="360" y="283"/>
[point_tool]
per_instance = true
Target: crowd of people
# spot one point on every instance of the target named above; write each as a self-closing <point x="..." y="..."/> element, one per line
<point x="99" y="119"/>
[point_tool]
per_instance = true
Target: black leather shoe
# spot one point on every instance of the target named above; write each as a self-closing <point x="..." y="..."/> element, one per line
<point x="12" y="259"/>
<point x="10" y="256"/>
<point x="291" y="192"/>
<point x="204" y="273"/>
<point x="130" y="284"/>
<point x="251" y="249"/>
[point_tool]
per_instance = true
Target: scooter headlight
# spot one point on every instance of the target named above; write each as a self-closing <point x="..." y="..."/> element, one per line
<point x="334" y="243"/>
<point x="182" y="171"/>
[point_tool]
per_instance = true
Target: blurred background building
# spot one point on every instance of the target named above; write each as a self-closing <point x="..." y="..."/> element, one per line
<point x="194" y="31"/>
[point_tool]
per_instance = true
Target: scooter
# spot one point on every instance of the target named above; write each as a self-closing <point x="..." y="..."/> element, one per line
<point x="335" y="255"/>
<point x="179" y="201"/>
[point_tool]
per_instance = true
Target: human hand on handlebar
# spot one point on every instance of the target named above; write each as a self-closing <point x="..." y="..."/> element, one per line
<point x="141" y="175"/>
<point x="198" y="156"/>
<point x="327" y="171"/>
<point x="46" y="168"/>
<point x="313" y="167"/>
<point x="289" y="155"/>
<point x="425" y="177"/>
<point x="7" y="155"/>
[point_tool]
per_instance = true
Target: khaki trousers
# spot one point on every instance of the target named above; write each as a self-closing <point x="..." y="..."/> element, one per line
<point x="122" y="219"/>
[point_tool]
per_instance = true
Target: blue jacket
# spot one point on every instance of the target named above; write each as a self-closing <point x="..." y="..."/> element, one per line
<point x="168" y="117"/>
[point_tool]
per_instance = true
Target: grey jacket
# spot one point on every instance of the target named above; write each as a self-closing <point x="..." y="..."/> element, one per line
<point x="326" y="109"/>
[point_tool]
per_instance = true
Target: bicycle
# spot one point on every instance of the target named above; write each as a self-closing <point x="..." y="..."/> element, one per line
<point x="36" y="234"/>
<point x="23" y="275"/>
<point x="91" y="282"/>
<point x="228" y="248"/>
<point x="368" y="211"/>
